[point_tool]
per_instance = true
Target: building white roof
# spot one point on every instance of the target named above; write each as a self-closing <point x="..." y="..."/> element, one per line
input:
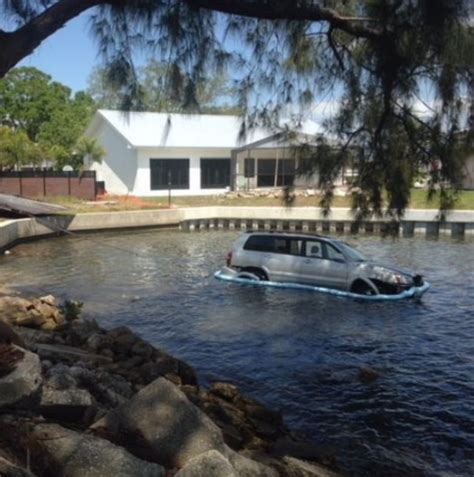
<point x="184" y="130"/>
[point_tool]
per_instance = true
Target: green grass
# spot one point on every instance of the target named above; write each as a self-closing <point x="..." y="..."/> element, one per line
<point x="418" y="201"/>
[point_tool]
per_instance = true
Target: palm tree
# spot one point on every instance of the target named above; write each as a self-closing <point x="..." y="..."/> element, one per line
<point x="88" y="151"/>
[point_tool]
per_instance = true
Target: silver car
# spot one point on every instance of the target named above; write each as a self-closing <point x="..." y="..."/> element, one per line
<point x="315" y="260"/>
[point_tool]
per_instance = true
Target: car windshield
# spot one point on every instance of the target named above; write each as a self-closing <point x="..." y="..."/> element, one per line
<point x="349" y="252"/>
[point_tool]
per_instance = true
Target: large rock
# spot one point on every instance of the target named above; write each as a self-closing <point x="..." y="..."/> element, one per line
<point x="209" y="464"/>
<point x="22" y="385"/>
<point x="168" y="427"/>
<point x="159" y="423"/>
<point x="9" y="336"/>
<point x="301" y="468"/>
<point x="245" y="467"/>
<point x="72" y="454"/>
<point x="42" y="312"/>
<point x="8" y="469"/>
<point x="70" y="404"/>
<point x="13" y="308"/>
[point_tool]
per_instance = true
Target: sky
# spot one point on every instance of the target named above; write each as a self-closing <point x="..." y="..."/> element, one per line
<point x="68" y="56"/>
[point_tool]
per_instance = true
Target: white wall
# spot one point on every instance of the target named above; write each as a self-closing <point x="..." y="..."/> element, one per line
<point x="142" y="182"/>
<point x="119" y="166"/>
<point x="468" y="182"/>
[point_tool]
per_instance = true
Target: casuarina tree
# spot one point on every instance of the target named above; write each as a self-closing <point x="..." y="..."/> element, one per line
<point x="377" y="61"/>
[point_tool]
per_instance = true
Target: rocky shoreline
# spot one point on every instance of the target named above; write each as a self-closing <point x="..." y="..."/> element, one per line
<point x="77" y="400"/>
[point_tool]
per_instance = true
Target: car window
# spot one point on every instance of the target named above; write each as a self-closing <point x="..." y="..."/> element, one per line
<point x="260" y="243"/>
<point x="280" y="245"/>
<point x="296" y="246"/>
<point x="313" y="249"/>
<point x="333" y="254"/>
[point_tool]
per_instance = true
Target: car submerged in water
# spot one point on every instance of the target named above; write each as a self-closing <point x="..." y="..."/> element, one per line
<point x="318" y="261"/>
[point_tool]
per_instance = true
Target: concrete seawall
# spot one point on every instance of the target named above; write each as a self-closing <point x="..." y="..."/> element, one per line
<point x="305" y="219"/>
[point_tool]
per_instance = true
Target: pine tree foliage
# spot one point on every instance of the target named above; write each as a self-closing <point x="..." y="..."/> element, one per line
<point x="377" y="60"/>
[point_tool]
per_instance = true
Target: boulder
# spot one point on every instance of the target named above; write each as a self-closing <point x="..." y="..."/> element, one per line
<point x="224" y="390"/>
<point x="22" y="385"/>
<point x="60" y="377"/>
<point x="301" y="468"/>
<point x="71" y="454"/>
<point x="49" y="300"/>
<point x="9" y="335"/>
<point x="12" y="308"/>
<point x="368" y="375"/>
<point x="66" y="404"/>
<point x="69" y="354"/>
<point x="32" y="337"/>
<point x="141" y="348"/>
<point x="159" y="423"/>
<point x="42" y="312"/>
<point x="208" y="464"/>
<point x="245" y="467"/>
<point x="80" y="330"/>
<point x="8" y="469"/>
<point x="97" y="341"/>
<point x="168" y="428"/>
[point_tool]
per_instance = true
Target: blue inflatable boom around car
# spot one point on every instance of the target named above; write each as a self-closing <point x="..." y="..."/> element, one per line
<point x="229" y="275"/>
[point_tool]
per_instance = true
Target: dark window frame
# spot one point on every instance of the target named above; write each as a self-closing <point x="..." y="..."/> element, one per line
<point x="179" y="178"/>
<point x="284" y="177"/>
<point x="208" y="184"/>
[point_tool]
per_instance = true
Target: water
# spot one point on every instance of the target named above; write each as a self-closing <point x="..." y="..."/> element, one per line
<point x="297" y="351"/>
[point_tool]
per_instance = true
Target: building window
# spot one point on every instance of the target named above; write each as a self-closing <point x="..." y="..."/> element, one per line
<point x="215" y="173"/>
<point x="267" y="168"/>
<point x="166" y="173"/>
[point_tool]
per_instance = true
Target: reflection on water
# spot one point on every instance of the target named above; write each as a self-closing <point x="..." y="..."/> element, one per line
<point x="298" y="351"/>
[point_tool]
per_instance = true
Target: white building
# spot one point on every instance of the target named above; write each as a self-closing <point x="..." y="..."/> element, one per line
<point x="148" y="153"/>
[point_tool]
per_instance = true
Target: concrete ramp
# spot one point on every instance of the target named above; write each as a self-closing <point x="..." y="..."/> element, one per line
<point x="28" y="207"/>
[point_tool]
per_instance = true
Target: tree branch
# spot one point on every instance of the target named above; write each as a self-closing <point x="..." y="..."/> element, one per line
<point x="334" y="48"/>
<point x="20" y="43"/>
<point x="291" y="10"/>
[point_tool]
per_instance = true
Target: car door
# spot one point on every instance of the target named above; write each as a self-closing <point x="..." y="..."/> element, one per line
<point x="282" y="263"/>
<point x="312" y="265"/>
<point x="337" y="268"/>
<point x="323" y="266"/>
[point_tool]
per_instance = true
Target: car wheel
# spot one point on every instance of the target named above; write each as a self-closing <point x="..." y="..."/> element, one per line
<point x="362" y="288"/>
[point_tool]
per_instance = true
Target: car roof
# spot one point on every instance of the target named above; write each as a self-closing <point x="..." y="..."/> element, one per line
<point x="290" y="234"/>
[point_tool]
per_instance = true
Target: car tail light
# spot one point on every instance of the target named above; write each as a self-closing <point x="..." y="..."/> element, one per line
<point x="228" y="259"/>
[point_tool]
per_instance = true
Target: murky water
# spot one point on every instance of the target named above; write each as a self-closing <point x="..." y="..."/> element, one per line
<point x="297" y="351"/>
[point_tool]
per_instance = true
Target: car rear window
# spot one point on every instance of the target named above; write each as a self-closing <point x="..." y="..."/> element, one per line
<point x="260" y="243"/>
<point x="267" y="243"/>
